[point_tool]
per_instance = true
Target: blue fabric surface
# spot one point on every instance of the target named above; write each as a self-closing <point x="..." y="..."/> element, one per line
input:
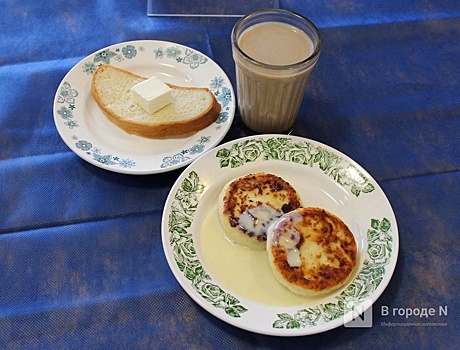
<point x="81" y="260"/>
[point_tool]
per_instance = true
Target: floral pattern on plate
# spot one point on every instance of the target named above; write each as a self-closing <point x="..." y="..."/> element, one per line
<point x="69" y="110"/>
<point x="180" y="219"/>
<point x="363" y="202"/>
<point x="280" y="148"/>
<point x="182" y="213"/>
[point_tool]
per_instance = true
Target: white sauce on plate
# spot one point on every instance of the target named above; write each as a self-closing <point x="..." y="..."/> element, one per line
<point x="287" y="237"/>
<point x="255" y="221"/>
<point x="240" y="270"/>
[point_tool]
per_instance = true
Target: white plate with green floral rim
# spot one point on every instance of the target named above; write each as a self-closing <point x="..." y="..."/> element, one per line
<point x="325" y="178"/>
<point x="89" y="134"/>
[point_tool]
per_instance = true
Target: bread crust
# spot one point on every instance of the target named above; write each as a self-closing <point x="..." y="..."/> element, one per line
<point x="157" y="130"/>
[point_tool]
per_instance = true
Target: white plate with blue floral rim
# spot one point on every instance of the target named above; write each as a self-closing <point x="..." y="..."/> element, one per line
<point x="89" y="134"/>
<point x="325" y="178"/>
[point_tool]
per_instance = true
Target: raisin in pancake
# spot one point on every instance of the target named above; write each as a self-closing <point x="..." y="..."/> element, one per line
<point x="311" y="251"/>
<point x="249" y="204"/>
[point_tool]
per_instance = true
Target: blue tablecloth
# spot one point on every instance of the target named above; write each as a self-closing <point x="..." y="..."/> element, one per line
<point x="81" y="260"/>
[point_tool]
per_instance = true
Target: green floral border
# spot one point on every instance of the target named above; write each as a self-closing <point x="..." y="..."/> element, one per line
<point x="185" y="204"/>
<point x="300" y="152"/>
<point x="180" y="219"/>
<point x="369" y="278"/>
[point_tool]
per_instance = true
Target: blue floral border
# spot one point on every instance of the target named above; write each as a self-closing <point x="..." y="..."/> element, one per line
<point x="67" y="100"/>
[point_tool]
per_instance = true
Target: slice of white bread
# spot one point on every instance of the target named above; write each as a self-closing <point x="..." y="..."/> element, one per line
<point x="191" y="110"/>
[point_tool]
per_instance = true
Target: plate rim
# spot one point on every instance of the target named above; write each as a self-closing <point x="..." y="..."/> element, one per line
<point x="340" y="321"/>
<point x="225" y="126"/>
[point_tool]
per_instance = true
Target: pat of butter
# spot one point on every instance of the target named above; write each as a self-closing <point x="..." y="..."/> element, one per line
<point x="152" y="94"/>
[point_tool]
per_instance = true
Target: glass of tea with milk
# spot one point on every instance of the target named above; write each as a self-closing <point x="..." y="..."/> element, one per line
<point x="274" y="51"/>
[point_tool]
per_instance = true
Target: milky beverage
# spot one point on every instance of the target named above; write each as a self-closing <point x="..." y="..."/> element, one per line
<point x="269" y="93"/>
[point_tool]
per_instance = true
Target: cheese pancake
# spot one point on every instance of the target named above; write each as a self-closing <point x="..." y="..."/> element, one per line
<point x="311" y="251"/>
<point x="249" y="204"/>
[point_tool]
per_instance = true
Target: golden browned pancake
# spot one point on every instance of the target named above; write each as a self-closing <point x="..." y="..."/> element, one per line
<point x="311" y="251"/>
<point x="249" y="204"/>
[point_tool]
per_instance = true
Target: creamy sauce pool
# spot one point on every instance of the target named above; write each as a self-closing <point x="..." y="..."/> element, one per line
<point x="241" y="270"/>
